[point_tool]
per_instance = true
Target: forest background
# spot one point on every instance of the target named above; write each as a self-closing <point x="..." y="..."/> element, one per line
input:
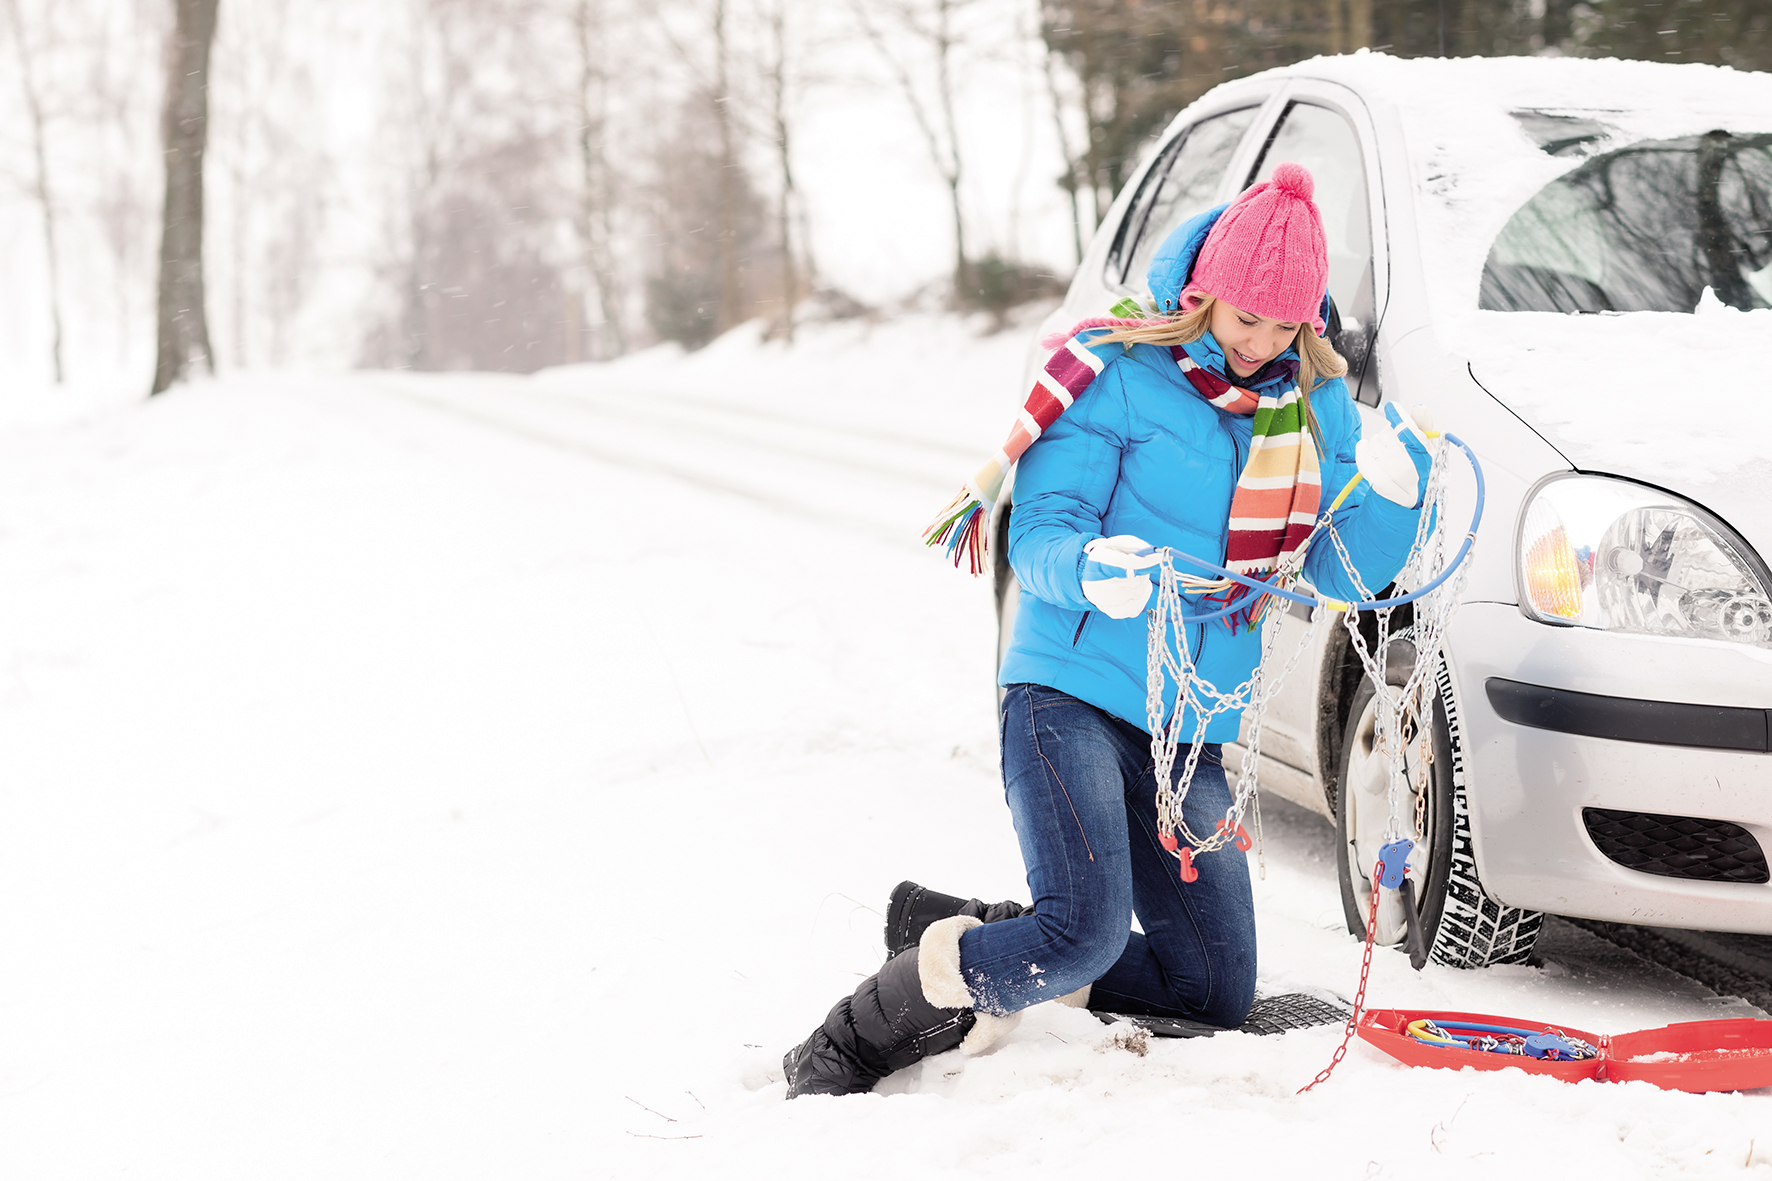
<point x="514" y="184"/>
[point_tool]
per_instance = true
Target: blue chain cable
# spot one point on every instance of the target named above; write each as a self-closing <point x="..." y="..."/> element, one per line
<point x="1260" y="588"/>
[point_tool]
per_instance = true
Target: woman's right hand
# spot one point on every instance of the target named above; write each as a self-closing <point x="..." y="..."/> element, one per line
<point x="1115" y="574"/>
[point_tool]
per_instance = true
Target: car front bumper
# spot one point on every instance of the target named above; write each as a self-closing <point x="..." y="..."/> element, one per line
<point x="1527" y="785"/>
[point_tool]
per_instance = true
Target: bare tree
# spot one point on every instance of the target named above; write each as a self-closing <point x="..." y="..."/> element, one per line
<point x="30" y="85"/>
<point x="483" y="200"/>
<point x="731" y="207"/>
<point x="773" y="69"/>
<point x="275" y="173"/>
<point x="184" y="323"/>
<point x="1074" y="178"/>
<point x="597" y="181"/>
<point x="931" y="23"/>
<point x="117" y="84"/>
<point x="729" y="314"/>
<point x="693" y="199"/>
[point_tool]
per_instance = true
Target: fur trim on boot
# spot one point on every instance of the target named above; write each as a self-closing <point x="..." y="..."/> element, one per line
<point x="938" y="964"/>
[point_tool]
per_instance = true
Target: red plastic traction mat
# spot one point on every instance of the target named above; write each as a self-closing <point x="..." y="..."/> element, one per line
<point x="1733" y="1054"/>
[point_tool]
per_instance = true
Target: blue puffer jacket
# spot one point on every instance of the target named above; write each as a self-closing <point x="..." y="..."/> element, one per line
<point x="1141" y="452"/>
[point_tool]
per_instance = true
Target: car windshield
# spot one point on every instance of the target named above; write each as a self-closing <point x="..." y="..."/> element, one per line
<point x="1644" y="228"/>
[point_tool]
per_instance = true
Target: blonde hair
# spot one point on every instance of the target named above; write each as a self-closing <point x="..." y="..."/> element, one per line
<point x="1317" y="359"/>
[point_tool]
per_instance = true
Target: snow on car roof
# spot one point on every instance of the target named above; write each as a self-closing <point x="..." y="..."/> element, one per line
<point x="1628" y="394"/>
<point x="1477" y="130"/>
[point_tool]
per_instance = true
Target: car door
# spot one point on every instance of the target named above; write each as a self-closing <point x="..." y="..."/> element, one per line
<point x="1325" y="128"/>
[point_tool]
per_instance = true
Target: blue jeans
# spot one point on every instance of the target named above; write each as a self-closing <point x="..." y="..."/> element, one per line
<point x="1082" y="791"/>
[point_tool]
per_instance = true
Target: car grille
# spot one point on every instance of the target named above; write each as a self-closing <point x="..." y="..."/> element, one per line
<point x="1677" y="846"/>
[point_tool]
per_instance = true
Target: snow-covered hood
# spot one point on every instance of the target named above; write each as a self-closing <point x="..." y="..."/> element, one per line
<point x="1683" y="402"/>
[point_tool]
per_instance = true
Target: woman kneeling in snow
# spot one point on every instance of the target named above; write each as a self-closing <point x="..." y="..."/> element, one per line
<point x="1213" y="432"/>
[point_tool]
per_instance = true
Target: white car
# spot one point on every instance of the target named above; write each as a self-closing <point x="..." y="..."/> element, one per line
<point x="1569" y="265"/>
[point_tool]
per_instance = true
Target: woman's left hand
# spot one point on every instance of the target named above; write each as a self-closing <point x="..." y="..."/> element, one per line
<point x="1396" y="462"/>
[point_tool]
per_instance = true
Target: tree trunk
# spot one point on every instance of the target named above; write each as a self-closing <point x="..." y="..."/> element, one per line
<point x="944" y="45"/>
<point x="778" y="113"/>
<point x="1073" y="166"/>
<point x="40" y="182"/>
<point x="596" y="187"/>
<point x="184" y="325"/>
<point x="1359" y="24"/>
<point x="1557" y="23"/>
<point x="730" y="314"/>
<point x="944" y="151"/>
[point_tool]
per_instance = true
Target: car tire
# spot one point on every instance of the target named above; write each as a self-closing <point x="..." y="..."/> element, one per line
<point x="1464" y="926"/>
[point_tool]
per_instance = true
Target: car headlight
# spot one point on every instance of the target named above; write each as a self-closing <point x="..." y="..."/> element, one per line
<point x="1610" y="554"/>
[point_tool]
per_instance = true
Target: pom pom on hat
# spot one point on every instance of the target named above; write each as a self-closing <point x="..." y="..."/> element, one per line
<point x="1294" y="179"/>
<point x="1267" y="254"/>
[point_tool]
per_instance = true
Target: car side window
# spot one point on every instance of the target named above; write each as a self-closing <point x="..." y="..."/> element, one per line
<point x="1326" y="143"/>
<point x="1182" y="183"/>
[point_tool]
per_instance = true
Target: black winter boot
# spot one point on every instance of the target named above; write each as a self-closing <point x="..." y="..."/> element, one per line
<point x="912" y="908"/>
<point x="915" y="1006"/>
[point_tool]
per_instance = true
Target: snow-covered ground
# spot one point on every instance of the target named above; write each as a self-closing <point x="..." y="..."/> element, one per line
<point x="488" y="777"/>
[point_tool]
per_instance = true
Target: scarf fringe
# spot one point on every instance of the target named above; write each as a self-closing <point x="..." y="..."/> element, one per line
<point x="1248" y="617"/>
<point x="961" y="527"/>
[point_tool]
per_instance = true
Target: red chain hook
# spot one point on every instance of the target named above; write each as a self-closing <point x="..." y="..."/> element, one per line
<point x="1244" y="842"/>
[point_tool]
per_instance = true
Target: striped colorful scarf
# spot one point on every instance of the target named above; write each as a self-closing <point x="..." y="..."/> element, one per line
<point x="1275" y="504"/>
<point x="1277" y="494"/>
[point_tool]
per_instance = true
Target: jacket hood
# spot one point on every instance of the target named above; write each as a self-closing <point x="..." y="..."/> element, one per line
<point x="1174" y="261"/>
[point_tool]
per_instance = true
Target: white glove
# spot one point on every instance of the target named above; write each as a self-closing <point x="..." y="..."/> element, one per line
<point x="1395" y="462"/>
<point x="1114" y="578"/>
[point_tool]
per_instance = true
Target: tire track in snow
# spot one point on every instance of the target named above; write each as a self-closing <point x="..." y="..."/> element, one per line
<point x="689" y="414"/>
<point x="962" y="455"/>
<point x="884" y="500"/>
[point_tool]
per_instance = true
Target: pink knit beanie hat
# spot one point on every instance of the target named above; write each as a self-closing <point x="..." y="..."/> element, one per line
<point x="1266" y="254"/>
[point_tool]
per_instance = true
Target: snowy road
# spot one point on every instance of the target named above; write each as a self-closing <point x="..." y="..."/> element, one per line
<point x="771" y="459"/>
<point x="828" y="472"/>
<point x="437" y="777"/>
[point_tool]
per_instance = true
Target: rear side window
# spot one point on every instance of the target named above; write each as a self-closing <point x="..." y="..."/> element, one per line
<point x="1643" y="229"/>
<point x="1183" y="182"/>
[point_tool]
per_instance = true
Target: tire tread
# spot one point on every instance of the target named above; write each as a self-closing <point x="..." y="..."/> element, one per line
<point x="1475" y="930"/>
